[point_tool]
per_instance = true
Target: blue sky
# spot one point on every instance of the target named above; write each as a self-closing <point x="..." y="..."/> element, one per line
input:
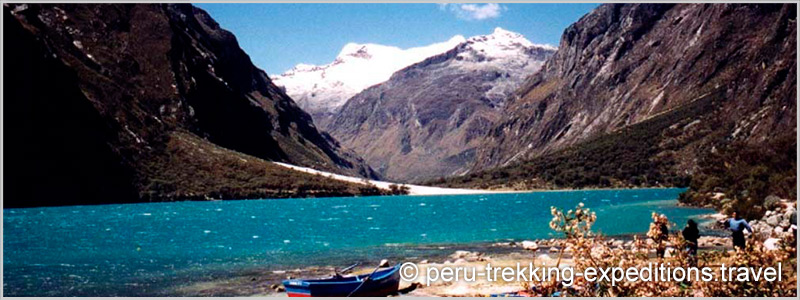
<point x="279" y="36"/>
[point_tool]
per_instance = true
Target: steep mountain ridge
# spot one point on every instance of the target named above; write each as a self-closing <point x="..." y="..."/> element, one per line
<point x="321" y="90"/>
<point x="622" y="64"/>
<point x="657" y="95"/>
<point x="96" y="94"/>
<point x="427" y="119"/>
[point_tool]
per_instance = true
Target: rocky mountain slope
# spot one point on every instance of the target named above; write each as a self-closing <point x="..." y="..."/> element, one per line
<point x="687" y="91"/>
<point x="622" y="64"/>
<point x="321" y="90"/>
<point x="124" y="103"/>
<point x="427" y="119"/>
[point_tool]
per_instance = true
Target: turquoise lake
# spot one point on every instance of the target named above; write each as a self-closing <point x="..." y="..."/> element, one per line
<point x="143" y="249"/>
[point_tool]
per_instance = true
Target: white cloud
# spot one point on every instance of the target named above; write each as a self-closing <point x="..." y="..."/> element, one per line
<point x="474" y="11"/>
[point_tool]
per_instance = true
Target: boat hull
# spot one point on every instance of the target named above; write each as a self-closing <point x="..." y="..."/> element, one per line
<point x="381" y="283"/>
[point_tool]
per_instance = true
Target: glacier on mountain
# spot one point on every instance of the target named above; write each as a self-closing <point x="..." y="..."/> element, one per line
<point x="323" y="89"/>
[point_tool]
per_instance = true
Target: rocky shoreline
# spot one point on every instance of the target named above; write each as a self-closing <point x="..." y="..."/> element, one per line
<point x="776" y="222"/>
<point x="714" y="237"/>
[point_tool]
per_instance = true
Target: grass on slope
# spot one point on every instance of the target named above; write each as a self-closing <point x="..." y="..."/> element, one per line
<point x="192" y="168"/>
<point x="635" y="156"/>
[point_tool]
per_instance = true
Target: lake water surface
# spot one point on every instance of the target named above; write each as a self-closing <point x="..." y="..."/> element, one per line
<point x="142" y="249"/>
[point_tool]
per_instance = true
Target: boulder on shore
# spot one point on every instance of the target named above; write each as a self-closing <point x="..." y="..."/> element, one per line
<point x="530" y="245"/>
<point x="771" y="243"/>
<point x="467" y="256"/>
<point x="772" y="220"/>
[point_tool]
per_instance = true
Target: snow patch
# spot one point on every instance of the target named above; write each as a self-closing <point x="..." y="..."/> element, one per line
<point x="417" y="190"/>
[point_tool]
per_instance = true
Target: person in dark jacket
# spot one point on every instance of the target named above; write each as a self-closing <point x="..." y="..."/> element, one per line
<point x="662" y="236"/>
<point x="691" y="234"/>
<point x="737" y="226"/>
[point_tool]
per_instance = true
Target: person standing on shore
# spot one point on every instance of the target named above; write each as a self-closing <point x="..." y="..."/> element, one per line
<point x="737" y="226"/>
<point x="691" y="234"/>
<point x="659" y="232"/>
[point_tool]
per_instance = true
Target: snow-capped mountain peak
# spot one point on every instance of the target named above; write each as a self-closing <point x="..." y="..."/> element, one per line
<point x="502" y="48"/>
<point x="324" y="88"/>
<point x="502" y="43"/>
<point x="365" y="51"/>
<point x="503" y="38"/>
<point x="304" y="68"/>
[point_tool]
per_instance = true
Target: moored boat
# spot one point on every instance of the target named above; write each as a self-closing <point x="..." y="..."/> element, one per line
<point x="379" y="283"/>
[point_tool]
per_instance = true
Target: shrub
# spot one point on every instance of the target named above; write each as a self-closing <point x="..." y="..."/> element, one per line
<point x="591" y="250"/>
<point x="402" y="189"/>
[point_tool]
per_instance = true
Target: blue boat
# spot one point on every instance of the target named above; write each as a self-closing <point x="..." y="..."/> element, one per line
<point x="377" y="284"/>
